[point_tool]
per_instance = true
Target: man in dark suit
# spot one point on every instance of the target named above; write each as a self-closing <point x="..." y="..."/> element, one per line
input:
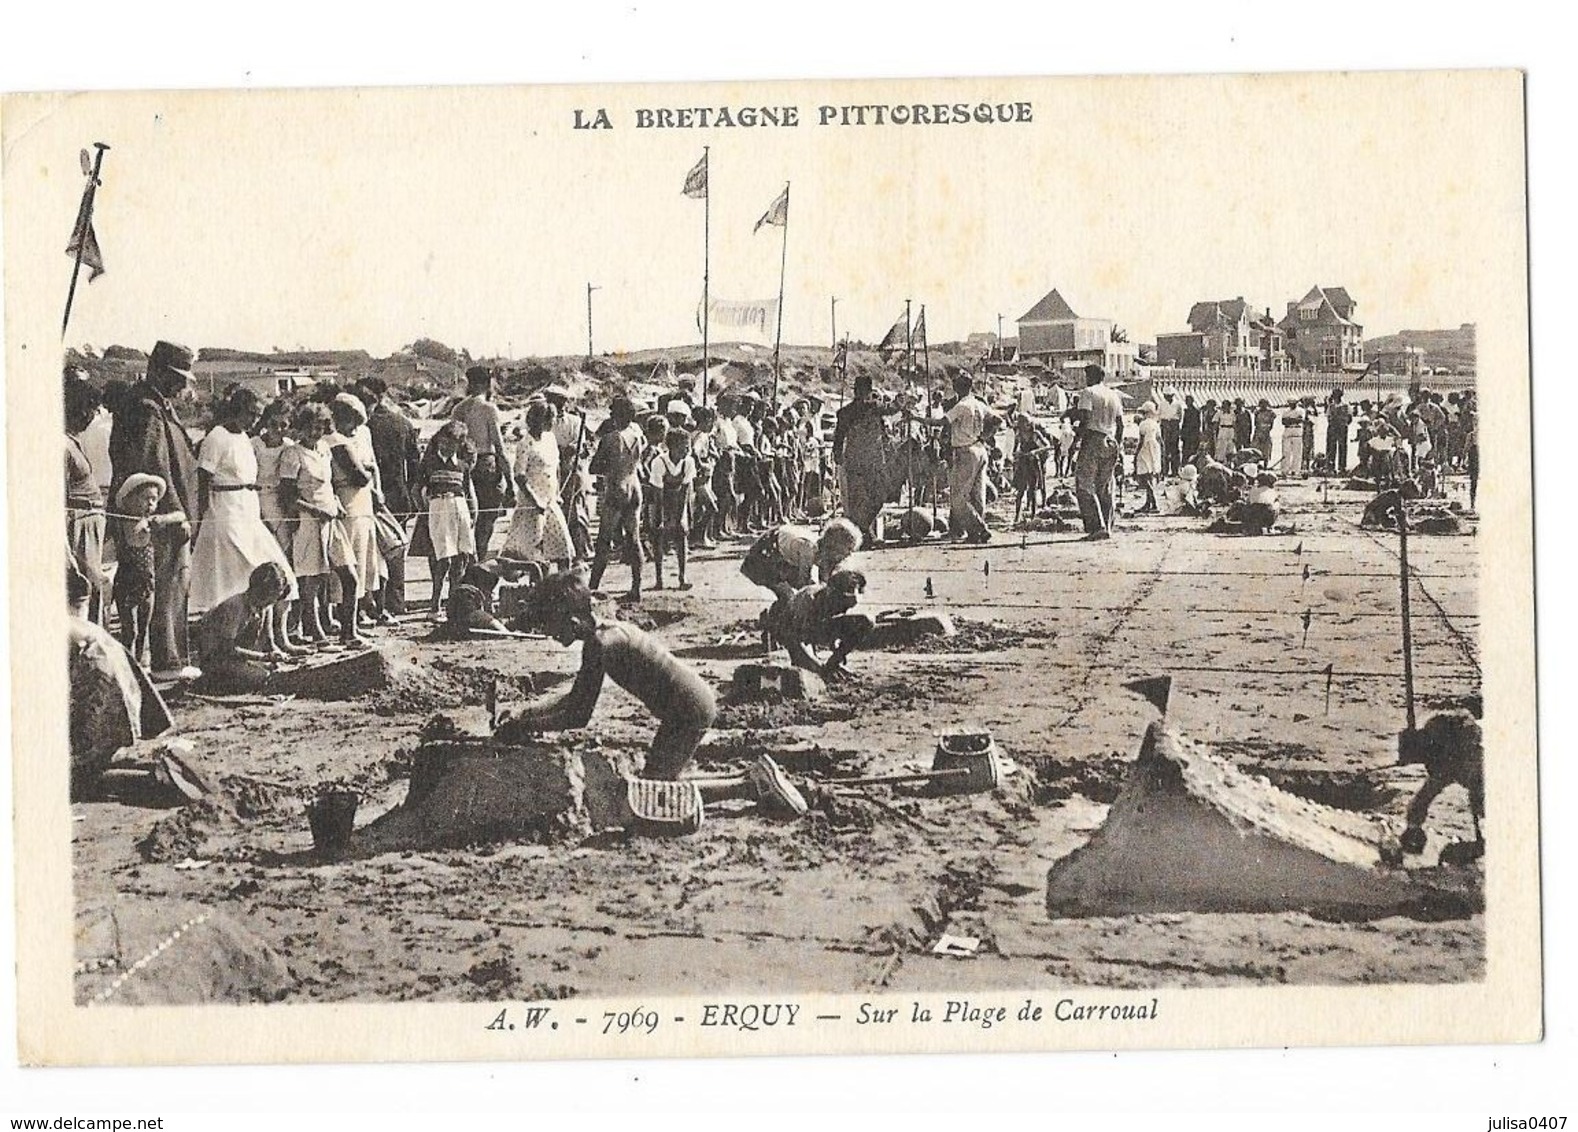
<point x="398" y="454"/>
<point x="147" y="436"/>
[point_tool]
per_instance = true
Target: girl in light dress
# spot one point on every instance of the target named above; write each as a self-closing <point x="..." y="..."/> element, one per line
<point x="538" y="530"/>
<point x="322" y="547"/>
<point x="353" y="469"/>
<point x="1065" y="446"/>
<point x="1292" y="461"/>
<point x="232" y="540"/>
<point x="443" y="486"/>
<point x="1148" y="457"/>
<point x="270" y="439"/>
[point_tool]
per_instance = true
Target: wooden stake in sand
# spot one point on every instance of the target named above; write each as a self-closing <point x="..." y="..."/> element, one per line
<point x="1328" y="689"/>
<point x="1408" y="633"/>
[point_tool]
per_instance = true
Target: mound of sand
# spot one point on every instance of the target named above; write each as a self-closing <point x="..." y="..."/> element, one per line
<point x="1192" y="833"/>
<point x="142" y="953"/>
<point x="467" y="792"/>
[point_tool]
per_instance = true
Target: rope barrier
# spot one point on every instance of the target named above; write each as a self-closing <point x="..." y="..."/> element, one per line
<point x="163" y="945"/>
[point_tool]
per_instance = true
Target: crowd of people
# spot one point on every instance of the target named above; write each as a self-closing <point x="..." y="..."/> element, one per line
<point x="285" y="528"/>
<point x="1225" y="452"/>
<point x="333" y="490"/>
<point x="165" y="527"/>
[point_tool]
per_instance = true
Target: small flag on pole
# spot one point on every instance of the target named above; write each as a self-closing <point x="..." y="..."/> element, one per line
<point x="1157" y="690"/>
<point x="84" y="238"/>
<point x="894" y="339"/>
<point x="696" y="180"/>
<point x="777" y="213"/>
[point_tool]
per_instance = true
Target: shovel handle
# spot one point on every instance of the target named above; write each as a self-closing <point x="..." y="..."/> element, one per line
<point x="914" y="776"/>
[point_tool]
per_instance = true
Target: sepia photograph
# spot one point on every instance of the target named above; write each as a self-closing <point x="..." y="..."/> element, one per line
<point x="643" y="570"/>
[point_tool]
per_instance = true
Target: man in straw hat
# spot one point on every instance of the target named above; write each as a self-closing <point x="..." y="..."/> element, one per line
<point x="148" y="437"/>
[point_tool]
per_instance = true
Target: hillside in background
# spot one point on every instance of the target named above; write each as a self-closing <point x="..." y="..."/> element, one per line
<point x="1451" y="348"/>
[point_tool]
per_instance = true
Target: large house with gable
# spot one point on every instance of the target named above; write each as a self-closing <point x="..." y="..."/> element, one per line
<point x="1226" y="334"/>
<point x="1051" y="332"/>
<point x="1323" y="333"/>
<point x="1221" y="335"/>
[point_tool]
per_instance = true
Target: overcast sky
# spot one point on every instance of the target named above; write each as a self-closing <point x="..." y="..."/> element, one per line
<point x="477" y="216"/>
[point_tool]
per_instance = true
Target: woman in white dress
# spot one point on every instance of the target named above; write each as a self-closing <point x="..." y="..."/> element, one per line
<point x="1292" y="462"/>
<point x="538" y="529"/>
<point x="355" y="472"/>
<point x="1148" y="457"/>
<point x="232" y="539"/>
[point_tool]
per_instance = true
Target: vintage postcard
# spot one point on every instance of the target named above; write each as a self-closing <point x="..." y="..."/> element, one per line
<point x="822" y="567"/>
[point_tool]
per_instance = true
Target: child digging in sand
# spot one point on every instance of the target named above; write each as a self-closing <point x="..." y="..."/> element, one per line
<point x="230" y="666"/>
<point x="680" y="699"/>
<point x="823" y="616"/>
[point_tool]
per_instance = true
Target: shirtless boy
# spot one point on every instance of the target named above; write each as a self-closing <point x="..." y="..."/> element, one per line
<point x="682" y="701"/>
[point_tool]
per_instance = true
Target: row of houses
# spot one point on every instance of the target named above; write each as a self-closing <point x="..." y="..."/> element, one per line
<point x="1319" y="333"/>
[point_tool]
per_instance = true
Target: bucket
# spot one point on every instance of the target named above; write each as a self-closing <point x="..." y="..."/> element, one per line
<point x="661" y="808"/>
<point x="973" y="751"/>
<point x="332" y="817"/>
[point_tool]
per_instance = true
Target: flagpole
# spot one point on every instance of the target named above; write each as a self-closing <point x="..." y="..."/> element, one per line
<point x="843" y="372"/>
<point x="783" y="266"/>
<point x="82" y="236"/>
<point x="926" y="348"/>
<point x="909" y="427"/>
<point x="843" y="376"/>
<point x="706" y="274"/>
